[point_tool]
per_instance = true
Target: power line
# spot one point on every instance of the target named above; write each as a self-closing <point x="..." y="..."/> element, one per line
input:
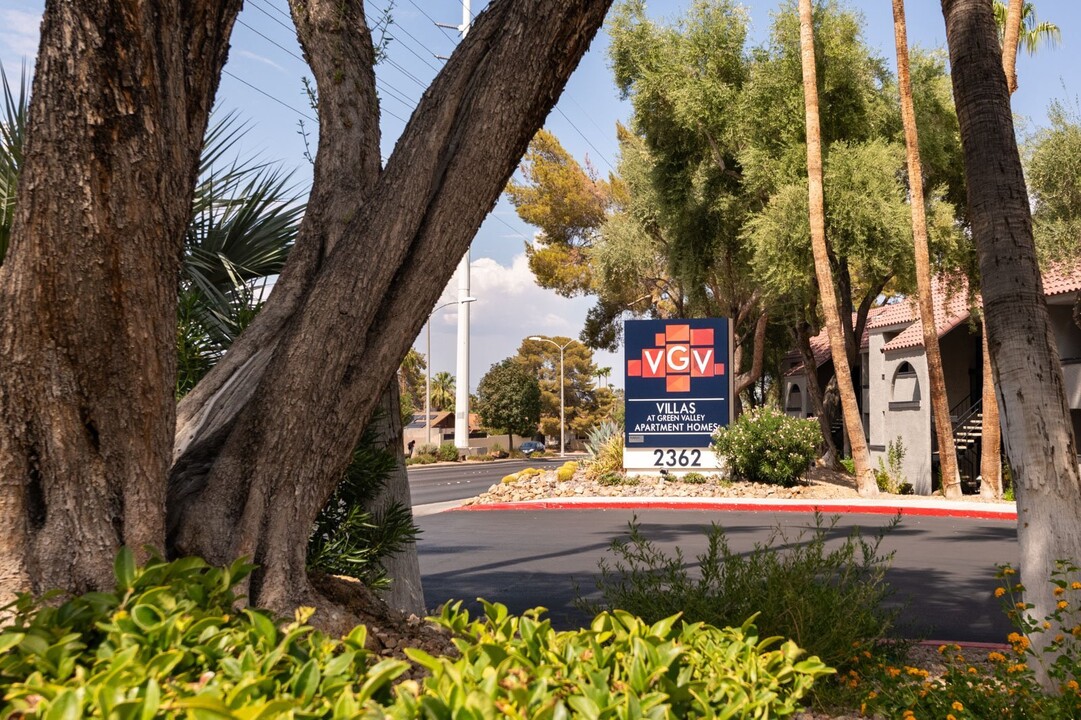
<point x="408" y="74"/>
<point x="588" y="141"/>
<point x="425" y="14"/>
<point x="272" y="42"/>
<point x="263" y="92"/>
<point x="290" y="28"/>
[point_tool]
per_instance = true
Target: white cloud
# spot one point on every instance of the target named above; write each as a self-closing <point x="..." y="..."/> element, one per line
<point x="259" y="58"/>
<point x="19" y="37"/>
<point x="510" y="307"/>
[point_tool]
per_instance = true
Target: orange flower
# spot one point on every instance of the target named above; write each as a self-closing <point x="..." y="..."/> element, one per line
<point x="1000" y="591"/>
<point x="996" y="656"/>
<point x="1059" y="591"/>
<point x="957" y="706"/>
<point x="1062" y="604"/>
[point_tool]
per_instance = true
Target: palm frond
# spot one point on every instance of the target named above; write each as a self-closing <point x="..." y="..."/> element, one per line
<point x="12" y="133"/>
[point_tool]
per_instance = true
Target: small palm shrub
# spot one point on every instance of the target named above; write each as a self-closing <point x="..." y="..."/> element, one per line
<point x="348" y="539"/>
<point x="826" y="600"/>
<point x="765" y="445"/>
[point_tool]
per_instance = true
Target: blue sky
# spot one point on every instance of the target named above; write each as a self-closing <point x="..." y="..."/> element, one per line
<point x="263" y="84"/>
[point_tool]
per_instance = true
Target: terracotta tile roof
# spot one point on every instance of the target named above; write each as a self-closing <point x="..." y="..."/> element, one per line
<point x="820" y="343"/>
<point x="896" y="313"/>
<point x="1062" y="278"/>
<point x="951" y="306"/>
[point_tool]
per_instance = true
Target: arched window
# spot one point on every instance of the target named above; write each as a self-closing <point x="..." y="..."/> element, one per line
<point x="905" y="387"/>
<point x="795" y="399"/>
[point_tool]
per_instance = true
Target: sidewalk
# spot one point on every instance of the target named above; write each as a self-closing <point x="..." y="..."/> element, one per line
<point x="883" y="505"/>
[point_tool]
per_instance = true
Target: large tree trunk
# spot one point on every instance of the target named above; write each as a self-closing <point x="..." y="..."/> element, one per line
<point x="940" y="406"/>
<point x="990" y="430"/>
<point x="865" y="481"/>
<point x="1035" y="415"/>
<point x="122" y="92"/>
<point x="281" y="448"/>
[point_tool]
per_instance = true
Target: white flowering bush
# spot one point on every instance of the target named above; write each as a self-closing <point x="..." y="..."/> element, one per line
<point x="765" y="445"/>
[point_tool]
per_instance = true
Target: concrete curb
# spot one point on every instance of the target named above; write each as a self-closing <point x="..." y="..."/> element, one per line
<point x="988" y="511"/>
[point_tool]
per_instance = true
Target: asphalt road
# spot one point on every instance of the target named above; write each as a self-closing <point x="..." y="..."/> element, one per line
<point x="430" y="484"/>
<point x="943" y="571"/>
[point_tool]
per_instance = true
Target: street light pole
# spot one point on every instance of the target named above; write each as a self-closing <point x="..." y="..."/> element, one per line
<point x="562" y="387"/>
<point x="428" y="364"/>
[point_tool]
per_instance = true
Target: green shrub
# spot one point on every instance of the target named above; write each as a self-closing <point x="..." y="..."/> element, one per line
<point x="448" y="452"/>
<point x="428" y="449"/>
<point x="889" y="476"/>
<point x="694" y="478"/>
<point x="566" y="471"/>
<point x="824" y="600"/>
<point x="765" y="445"/>
<point x="621" y="667"/>
<point x="611" y="479"/>
<point x="424" y="459"/>
<point x="849" y="465"/>
<point x="169" y="642"/>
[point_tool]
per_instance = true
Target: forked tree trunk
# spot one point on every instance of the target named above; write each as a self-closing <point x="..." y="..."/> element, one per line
<point x="990" y="431"/>
<point x="940" y="406"/>
<point x="281" y="443"/>
<point x="865" y="481"/>
<point x="1032" y="400"/>
<point x="122" y="92"/>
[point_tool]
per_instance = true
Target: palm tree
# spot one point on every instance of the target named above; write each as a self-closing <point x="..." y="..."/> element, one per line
<point x="12" y="129"/>
<point x="940" y="407"/>
<point x="865" y="481"/>
<point x="1017" y="28"/>
<point x="443" y="391"/>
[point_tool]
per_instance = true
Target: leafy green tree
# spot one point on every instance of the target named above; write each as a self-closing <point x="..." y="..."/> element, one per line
<point x="509" y="400"/>
<point x="411" y="379"/>
<point x="585" y="404"/>
<point x="1053" y="170"/>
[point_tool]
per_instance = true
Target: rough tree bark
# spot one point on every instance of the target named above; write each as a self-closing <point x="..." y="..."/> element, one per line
<point x="279" y="451"/>
<point x="865" y="481"/>
<point x="122" y="92"/>
<point x="940" y="406"/>
<point x="1035" y="416"/>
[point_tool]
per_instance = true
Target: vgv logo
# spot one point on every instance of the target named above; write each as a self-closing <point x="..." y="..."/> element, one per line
<point x="680" y="354"/>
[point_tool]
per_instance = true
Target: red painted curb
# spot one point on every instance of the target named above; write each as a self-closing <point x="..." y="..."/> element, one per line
<point x="746" y="507"/>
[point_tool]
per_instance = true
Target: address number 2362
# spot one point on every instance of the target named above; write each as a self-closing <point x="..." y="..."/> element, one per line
<point x="677" y="458"/>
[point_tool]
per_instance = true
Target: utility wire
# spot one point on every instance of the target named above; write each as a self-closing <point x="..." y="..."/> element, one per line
<point x="434" y="22"/>
<point x="408" y="74"/>
<point x="290" y="28"/>
<point x="272" y="42"/>
<point x="588" y="141"/>
<point x="263" y="92"/>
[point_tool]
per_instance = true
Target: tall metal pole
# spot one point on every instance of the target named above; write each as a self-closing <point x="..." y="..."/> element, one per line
<point x="461" y="398"/>
<point x="562" y="405"/>
<point x="428" y="381"/>
<point x="562" y="392"/>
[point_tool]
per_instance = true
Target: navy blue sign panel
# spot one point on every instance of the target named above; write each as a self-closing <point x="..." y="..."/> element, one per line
<point x="678" y="381"/>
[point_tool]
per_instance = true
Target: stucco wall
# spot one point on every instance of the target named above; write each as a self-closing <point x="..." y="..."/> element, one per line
<point x="907" y="416"/>
<point x="1066" y="332"/>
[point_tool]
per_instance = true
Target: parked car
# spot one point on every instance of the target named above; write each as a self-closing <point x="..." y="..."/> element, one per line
<point x="531" y="447"/>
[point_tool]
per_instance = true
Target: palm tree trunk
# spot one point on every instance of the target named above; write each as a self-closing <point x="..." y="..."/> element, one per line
<point x="1010" y="41"/>
<point x="865" y="481"/>
<point x="1036" y="418"/>
<point x="831" y="457"/>
<point x="991" y="431"/>
<point x="940" y="407"/>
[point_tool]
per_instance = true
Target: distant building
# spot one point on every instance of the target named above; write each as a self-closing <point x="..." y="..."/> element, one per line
<point x="895" y="399"/>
